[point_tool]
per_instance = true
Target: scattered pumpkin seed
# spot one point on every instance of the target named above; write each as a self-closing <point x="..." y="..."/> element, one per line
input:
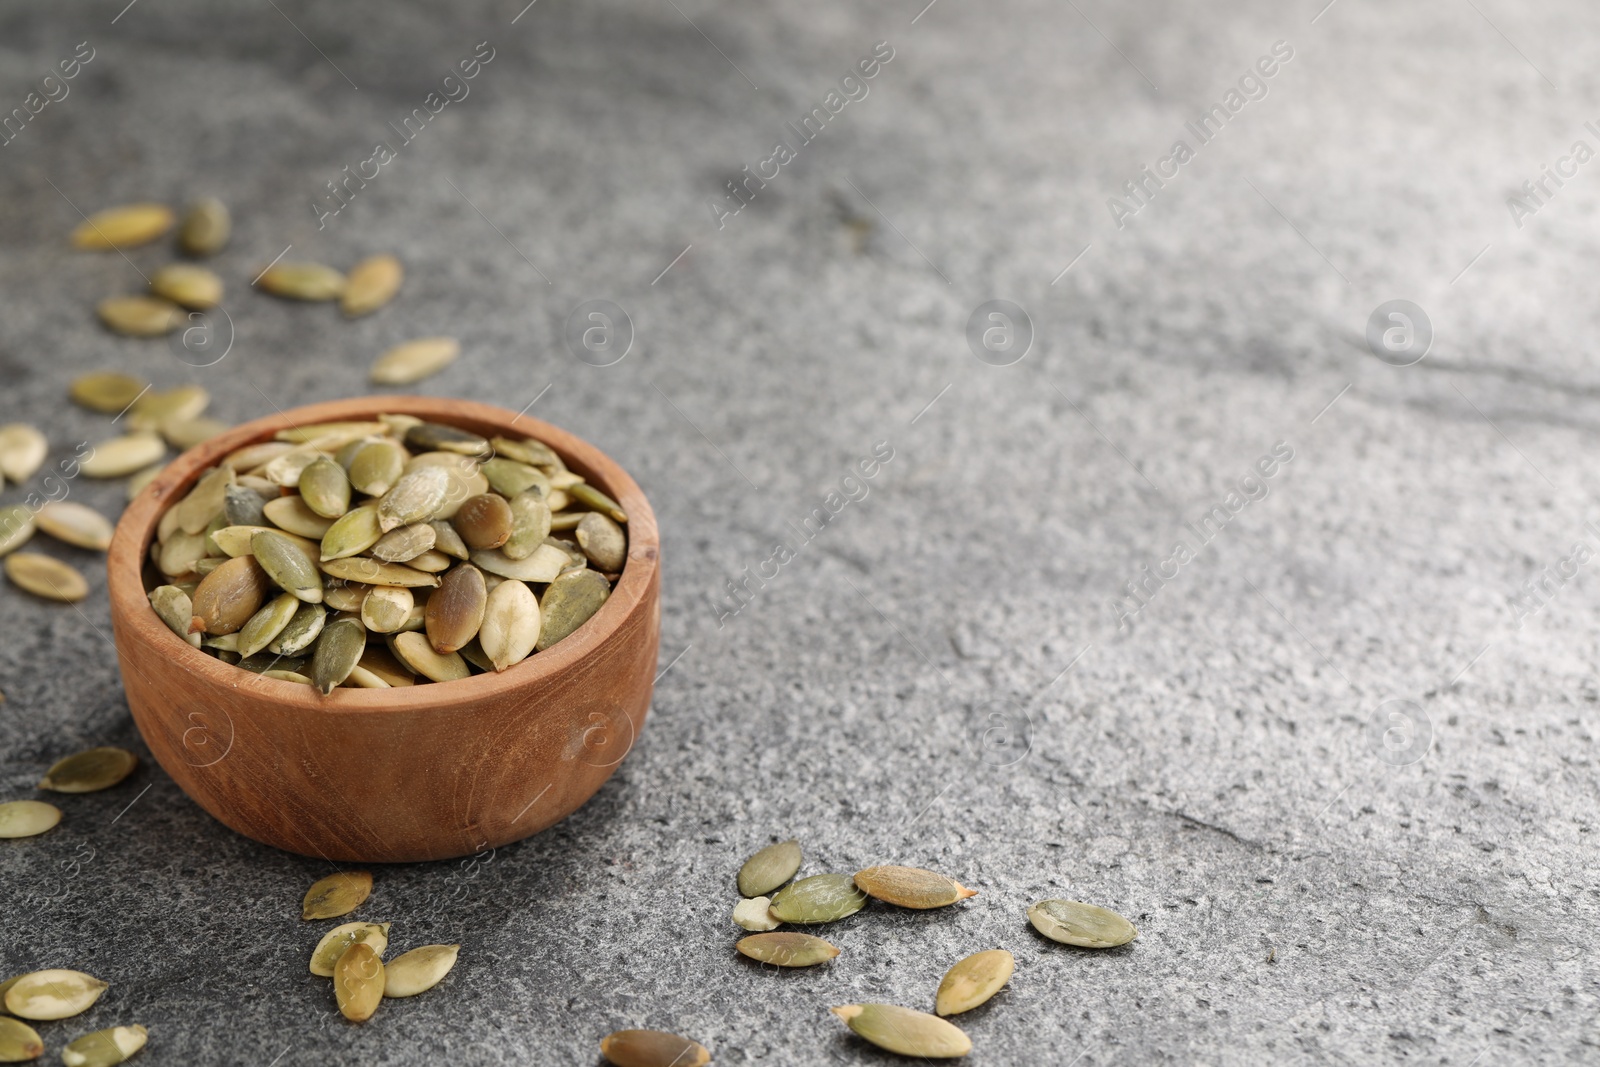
<point x="104" y="1048"/>
<point x="127" y="226"/>
<point x="769" y="869"/>
<point x="46" y="577"/>
<point x="156" y="408"/>
<point x="76" y="524"/>
<point x="568" y="602"/>
<point x="302" y="281"/>
<point x="90" y="771"/>
<point x="911" y="887"/>
<point x="414" y="360"/>
<point x="107" y="392"/>
<point x="22" y="451"/>
<point x="787" y="949"/>
<point x="907" y="1032"/>
<point x="752" y="914"/>
<point x="140" y="316"/>
<point x="140" y="479"/>
<point x="336" y="895"/>
<point x="973" y="981"/>
<point x="419" y="970"/>
<point x="16" y="527"/>
<point x="121" y="456"/>
<point x="1073" y="922"/>
<point x="186" y="433"/>
<point x="336" y="941"/>
<point x="27" y="818"/>
<point x="206" y="226"/>
<point x="338" y="650"/>
<point x="19" y="1042"/>
<point x="511" y="624"/>
<point x="822" y="898"/>
<point x="53" y="994"/>
<point x="358" y="982"/>
<point x="187" y="286"/>
<point x="652" y="1048"/>
<point x="371" y="284"/>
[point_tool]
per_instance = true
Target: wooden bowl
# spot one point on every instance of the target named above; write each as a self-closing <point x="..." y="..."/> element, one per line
<point x="389" y="775"/>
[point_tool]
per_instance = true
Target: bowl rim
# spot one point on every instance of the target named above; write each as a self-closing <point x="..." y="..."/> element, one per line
<point x="130" y="541"/>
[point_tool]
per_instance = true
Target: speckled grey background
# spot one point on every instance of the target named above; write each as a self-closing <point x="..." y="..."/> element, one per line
<point x="1342" y="782"/>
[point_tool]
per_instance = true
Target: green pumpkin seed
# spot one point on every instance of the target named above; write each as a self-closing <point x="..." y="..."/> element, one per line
<point x="907" y="1032"/>
<point x="340" y="938"/>
<point x="22" y="451"/>
<point x="376" y="466"/>
<point x="1073" y="922"/>
<point x="242" y="506"/>
<point x="511" y="624"/>
<point x="543" y="565"/>
<point x="372" y="572"/>
<point x="530" y="525"/>
<point x="46" y="577"/>
<point x="104" y="1048"/>
<point x="436" y="437"/>
<point x="140" y="316"/>
<point x="911" y="887"/>
<point x="53" y="994"/>
<point x="416" y="652"/>
<point x="386" y="608"/>
<point x="203" y="503"/>
<point x="107" y="392"/>
<point x="652" y="1048"/>
<point x="302" y="281"/>
<point x="90" y="771"/>
<point x="338" y="650"/>
<point x="372" y="283"/>
<point x="404" y="544"/>
<point x="76" y="524"/>
<point x="27" y="818"/>
<point x="595" y="500"/>
<point x="336" y="895"/>
<point x="769" y="869"/>
<point x="186" y="433"/>
<point x="301" y="631"/>
<point x="288" y="564"/>
<point x="417" y="496"/>
<point x="508" y="477"/>
<point x="325" y="488"/>
<point x="293" y="514"/>
<point x="603" y="542"/>
<point x="19" y="1042"/>
<point x="529" y="451"/>
<point x="414" y="361"/>
<point x="353" y="533"/>
<point x="787" y="949"/>
<point x="205" y="229"/>
<point x="16" y="527"/>
<point x="121" y="456"/>
<point x="752" y="914"/>
<point x="974" y="980"/>
<point x="822" y="898"/>
<point x="568" y="602"/>
<point x="419" y="970"/>
<point x="446" y="540"/>
<point x="127" y="226"/>
<point x="265" y="625"/>
<point x="173" y="607"/>
<point x="187" y="286"/>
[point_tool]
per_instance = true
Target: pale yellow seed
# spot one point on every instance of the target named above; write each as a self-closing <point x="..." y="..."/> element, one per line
<point x="414" y="360"/>
<point x="187" y="286"/>
<point x="358" y="981"/>
<point x="336" y="941"/>
<point x="417" y="653"/>
<point x="53" y="994"/>
<point x="752" y="914"/>
<point x="76" y="524"/>
<point x="371" y="284"/>
<point x="302" y="281"/>
<point x="336" y="895"/>
<point x="104" y="1048"/>
<point x="22" y="451"/>
<point x="204" y="502"/>
<point x="90" y="771"/>
<point x="907" y="1032"/>
<point x="19" y="1042"/>
<point x="156" y="408"/>
<point x="386" y="608"/>
<point x="544" y="565"/>
<point x="511" y="624"/>
<point x="292" y="514"/>
<point x="419" y="970"/>
<point x="27" y="818"/>
<point x="139" y="479"/>
<point x="974" y="980"/>
<point x="372" y="572"/>
<point x="127" y="226"/>
<point x="206" y="227"/>
<point x="140" y="316"/>
<point x="186" y="433"/>
<point x="122" y="456"/>
<point x="106" y="391"/>
<point x="46" y="577"/>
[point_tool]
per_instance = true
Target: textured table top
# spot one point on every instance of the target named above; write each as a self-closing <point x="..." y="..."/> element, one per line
<point x="1331" y="751"/>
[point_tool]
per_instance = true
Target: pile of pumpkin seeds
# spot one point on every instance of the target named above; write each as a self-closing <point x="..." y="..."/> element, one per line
<point x="385" y="553"/>
<point x="824" y="898"/>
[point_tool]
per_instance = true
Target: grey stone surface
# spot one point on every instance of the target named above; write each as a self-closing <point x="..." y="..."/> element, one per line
<point x="939" y="678"/>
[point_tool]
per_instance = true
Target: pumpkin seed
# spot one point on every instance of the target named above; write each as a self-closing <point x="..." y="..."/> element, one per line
<point x="16" y="526"/>
<point x="22" y="451"/>
<point x="787" y="949"/>
<point x="530" y="525"/>
<point x="53" y="994"/>
<point x="140" y="479"/>
<point x="358" y="981"/>
<point x="603" y="542"/>
<point x="436" y="437"/>
<point x="186" y="433"/>
<point x="405" y="543"/>
<point x="510" y="626"/>
<point x="295" y="515"/>
<point x="386" y="608"/>
<point x="508" y="477"/>
<point x="419" y="970"/>
<point x="156" y="408"/>
<point x="484" y="521"/>
<point x="173" y="607"/>
<point x="127" y="226"/>
<point x="90" y="771"/>
<point x="336" y="895"/>
<point x="303" y="629"/>
<point x="206" y="226"/>
<point x="27" y="818"/>
<point x="140" y="316"/>
<point x="371" y="284"/>
<point x="236" y="540"/>
<point x="911" y="887"/>
<point x="446" y="540"/>
<point x="652" y="1048"/>
<point x="302" y="281"/>
<point x="46" y="577"/>
<point x="352" y="533"/>
<point x="907" y="1032"/>
<point x="529" y="451"/>
<point x="566" y="520"/>
<point x="104" y="1048"/>
<point x="181" y="554"/>
<point x="595" y="500"/>
<point x="245" y="460"/>
<point x="568" y="602"/>
<point x="325" y="488"/>
<point x="107" y="392"/>
<point x="121" y="456"/>
<point x="379" y="662"/>
<point x="331" y="436"/>
<point x="277" y="666"/>
<point x="265" y="625"/>
<point x="417" y="496"/>
<point x="340" y="595"/>
<point x="376" y="466"/>
<point x="242" y="506"/>
<point x="822" y="898"/>
<point x="187" y="286"/>
<point x="973" y="981"/>
<point x="430" y="561"/>
<point x="76" y="524"/>
<point x="336" y="941"/>
<point x="414" y="360"/>
<point x="544" y="565"/>
<point x="228" y="596"/>
<point x="338" y="650"/>
<point x="416" y="652"/>
<point x="19" y="1042"/>
<point x="205" y="500"/>
<point x="769" y="869"/>
<point x="373" y="572"/>
<point x="752" y="914"/>
<point x="1073" y="922"/>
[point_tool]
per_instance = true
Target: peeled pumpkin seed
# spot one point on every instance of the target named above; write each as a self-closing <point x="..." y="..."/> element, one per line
<point x="568" y="602"/>
<point x="331" y="436"/>
<point x="595" y="500"/>
<point x="127" y="226"/>
<point x="156" y="408"/>
<point x="510" y="626"/>
<point x="19" y="1042"/>
<point x="140" y="316"/>
<point x="336" y="941"/>
<point x="419" y="970"/>
<point x="358" y="982"/>
<point x="301" y="630"/>
<point x="753" y="915"/>
<point x="338" y="650"/>
<point x="508" y="477"/>
<point x="430" y="561"/>
<point x="237" y="540"/>
<point x="787" y="949"/>
<point x="417" y="496"/>
<point x="652" y="1048"/>
<point x="371" y="284"/>
<point x="287" y="676"/>
<point x="302" y="281"/>
<point x="76" y="524"/>
<point x="340" y="595"/>
<point x="22" y="451"/>
<point x="16" y="527"/>
<point x="437" y="437"/>
<point x="104" y="1048"/>
<point x="205" y="229"/>
<point x="46" y="577"/>
<point x="404" y="544"/>
<point x="181" y="554"/>
<point x="187" y="286"/>
<point x="378" y="661"/>
<point x="121" y="456"/>
<point x="242" y="506"/>
<point x="416" y="652"/>
<point x="376" y="466"/>
<point x="529" y="451"/>
<point x="530" y="525"/>
<point x="603" y="541"/>
<point x="543" y="565"/>
<point x="769" y="869"/>
<point x="373" y="572"/>
<point x="414" y="360"/>
<point x="197" y="509"/>
<point x="27" y="818"/>
<point x="386" y="608"/>
<point x="245" y="460"/>
<point x="352" y="533"/>
<point x="265" y="625"/>
<point x="973" y="981"/>
<point x="289" y="565"/>
<point x="907" y="1032"/>
<point x="1073" y="922"/>
<point x="911" y="887"/>
<point x="822" y="898"/>
<point x="446" y="540"/>
<point x="228" y="596"/>
<point x="483" y="521"/>
<point x="53" y="994"/>
<point x="90" y="771"/>
<point x="295" y="515"/>
<point x="107" y="392"/>
<point x="173" y="607"/>
<point x="336" y="895"/>
<point x="325" y="488"/>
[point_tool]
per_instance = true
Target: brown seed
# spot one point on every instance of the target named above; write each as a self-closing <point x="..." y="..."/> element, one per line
<point x="123" y="227"/>
<point x="187" y="286"/>
<point x="652" y="1048"/>
<point x="974" y="980"/>
<point x="907" y="1032"/>
<point x="302" y="281"/>
<point x="229" y="595"/>
<point x="205" y="229"/>
<point x="140" y="316"/>
<point x="372" y="283"/>
<point x="787" y="949"/>
<point x="358" y="981"/>
<point x="455" y="610"/>
<point x="911" y="887"/>
<point x="336" y="895"/>
<point x="46" y="577"/>
<point x="484" y="521"/>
